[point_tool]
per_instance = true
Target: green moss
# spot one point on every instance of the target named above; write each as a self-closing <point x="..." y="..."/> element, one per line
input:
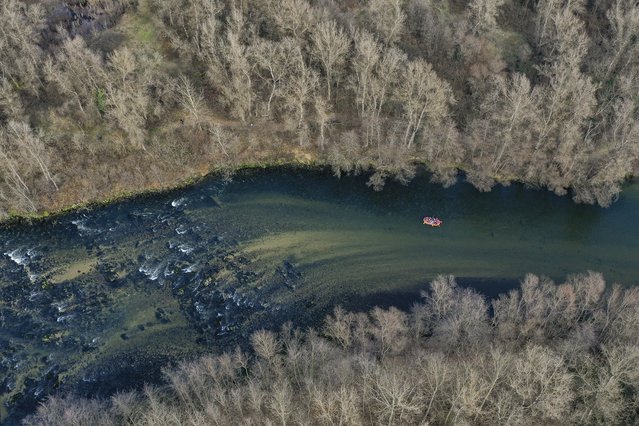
<point x="145" y="33"/>
<point x="100" y="100"/>
<point x="515" y="50"/>
<point x="54" y="337"/>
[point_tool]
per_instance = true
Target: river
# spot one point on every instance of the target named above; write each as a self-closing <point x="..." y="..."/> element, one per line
<point x="97" y="301"/>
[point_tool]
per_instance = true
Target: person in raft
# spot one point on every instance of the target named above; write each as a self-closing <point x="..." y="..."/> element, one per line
<point x="432" y="221"/>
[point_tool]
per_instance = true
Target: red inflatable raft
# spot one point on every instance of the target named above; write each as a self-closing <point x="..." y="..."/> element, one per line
<point x="432" y="221"/>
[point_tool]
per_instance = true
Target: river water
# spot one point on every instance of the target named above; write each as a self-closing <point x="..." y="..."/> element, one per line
<point x="97" y="301"/>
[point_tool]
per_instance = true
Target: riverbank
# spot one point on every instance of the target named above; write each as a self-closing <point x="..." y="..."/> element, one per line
<point x="15" y="218"/>
<point x="454" y="358"/>
<point x="307" y="161"/>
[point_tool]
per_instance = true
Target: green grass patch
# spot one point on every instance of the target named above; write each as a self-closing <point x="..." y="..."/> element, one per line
<point x="146" y="32"/>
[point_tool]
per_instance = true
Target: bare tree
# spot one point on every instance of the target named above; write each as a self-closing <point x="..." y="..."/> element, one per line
<point x="619" y="316"/>
<point x="622" y="46"/>
<point x="389" y="330"/>
<point x="393" y="394"/>
<point x="322" y="116"/>
<point x="31" y="146"/>
<point x="548" y="12"/>
<point x="300" y="88"/>
<point x="11" y="176"/>
<point x="24" y="159"/>
<point x="385" y="79"/>
<point x="601" y="385"/>
<point x="375" y="79"/>
<point x="388" y="18"/>
<point x="20" y="54"/>
<point x="128" y="101"/>
<point x="542" y="383"/>
<point x="483" y="15"/>
<point x="423" y="96"/>
<point x="265" y="345"/>
<point x="330" y="46"/>
<point x="192" y="26"/>
<point x="11" y="107"/>
<point x="230" y="68"/>
<point x="274" y="61"/>
<point x="567" y="104"/>
<point x="367" y="55"/>
<point x="280" y="401"/>
<point x="79" y="74"/>
<point x="436" y="377"/>
<point x="293" y="18"/>
<point x="441" y="298"/>
<point x="495" y="365"/>
<point x="504" y="134"/>
<point x="190" y="98"/>
<point x="338" y="327"/>
<point x="344" y="154"/>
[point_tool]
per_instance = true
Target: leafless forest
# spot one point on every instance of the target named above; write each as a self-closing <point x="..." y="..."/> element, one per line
<point x="100" y="97"/>
<point x="545" y="354"/>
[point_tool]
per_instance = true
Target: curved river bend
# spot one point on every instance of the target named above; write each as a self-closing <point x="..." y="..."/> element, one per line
<point x="99" y="300"/>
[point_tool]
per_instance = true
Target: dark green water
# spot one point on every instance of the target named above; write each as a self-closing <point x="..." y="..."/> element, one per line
<point x="100" y="300"/>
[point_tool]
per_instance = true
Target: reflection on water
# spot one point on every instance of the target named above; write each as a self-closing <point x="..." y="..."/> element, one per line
<point x="101" y="300"/>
